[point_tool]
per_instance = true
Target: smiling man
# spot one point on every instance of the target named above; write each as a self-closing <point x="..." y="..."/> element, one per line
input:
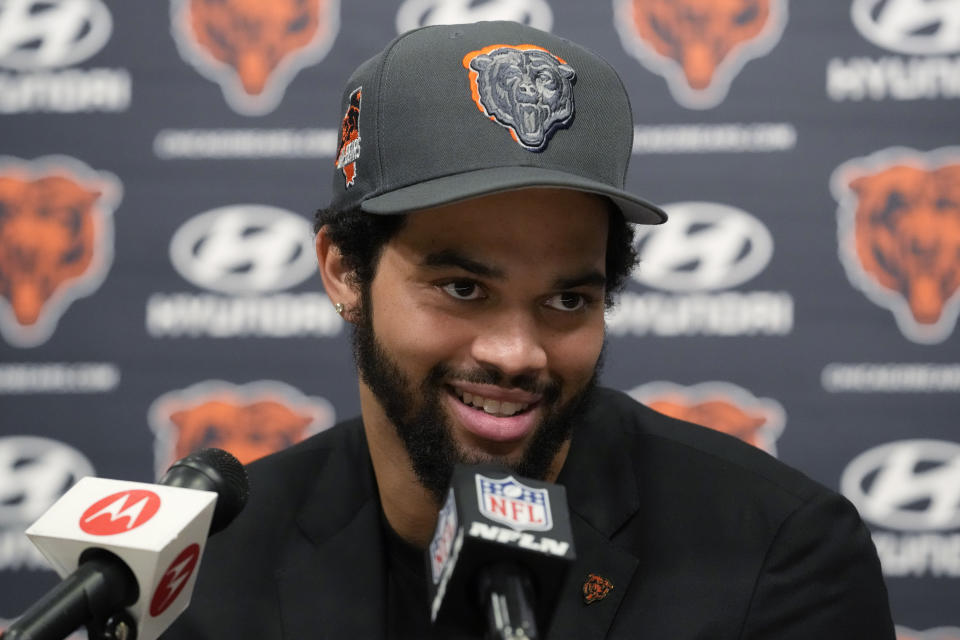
<point x="478" y="230"/>
<point x="478" y="339"/>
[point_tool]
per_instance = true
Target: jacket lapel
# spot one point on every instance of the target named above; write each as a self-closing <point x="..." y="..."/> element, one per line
<point x="336" y="556"/>
<point x="602" y="494"/>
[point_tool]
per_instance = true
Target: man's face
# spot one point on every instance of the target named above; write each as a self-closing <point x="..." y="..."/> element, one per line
<point x="481" y="332"/>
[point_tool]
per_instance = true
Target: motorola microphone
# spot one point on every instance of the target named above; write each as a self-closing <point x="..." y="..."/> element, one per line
<point x="128" y="551"/>
<point x="501" y="550"/>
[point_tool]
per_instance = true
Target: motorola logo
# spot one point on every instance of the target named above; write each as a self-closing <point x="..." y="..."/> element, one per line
<point x="244" y="249"/>
<point x="174" y="579"/>
<point x="707" y="246"/>
<point x="120" y="512"/>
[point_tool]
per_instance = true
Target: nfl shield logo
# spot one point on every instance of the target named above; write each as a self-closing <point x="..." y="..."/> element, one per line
<point x="514" y="504"/>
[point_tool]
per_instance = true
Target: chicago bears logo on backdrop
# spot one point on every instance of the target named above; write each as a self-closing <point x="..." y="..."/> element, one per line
<point x="253" y="50"/>
<point x="940" y="633"/>
<point x="248" y="420"/>
<point x="699" y="46"/>
<point x="899" y="235"/>
<point x="523" y="88"/>
<point x="721" y="406"/>
<point x="348" y="151"/>
<point x="56" y="241"/>
<point x="420" y="13"/>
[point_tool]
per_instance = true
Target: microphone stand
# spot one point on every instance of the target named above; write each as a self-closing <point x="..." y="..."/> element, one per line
<point x="507" y="594"/>
<point x="97" y="592"/>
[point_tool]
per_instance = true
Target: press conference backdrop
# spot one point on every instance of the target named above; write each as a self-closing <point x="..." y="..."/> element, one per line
<point x="158" y="292"/>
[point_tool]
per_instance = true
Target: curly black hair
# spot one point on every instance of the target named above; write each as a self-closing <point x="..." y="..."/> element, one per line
<point x="361" y="236"/>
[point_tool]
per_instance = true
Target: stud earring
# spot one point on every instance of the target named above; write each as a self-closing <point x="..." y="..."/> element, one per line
<point x="339" y="308"/>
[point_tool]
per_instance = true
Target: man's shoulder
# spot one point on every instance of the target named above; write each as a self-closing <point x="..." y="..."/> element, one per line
<point x="281" y="482"/>
<point x="345" y="438"/>
<point x="696" y="454"/>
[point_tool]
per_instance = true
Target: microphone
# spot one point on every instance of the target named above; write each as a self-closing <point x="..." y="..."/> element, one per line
<point x="129" y="550"/>
<point x="501" y="550"/>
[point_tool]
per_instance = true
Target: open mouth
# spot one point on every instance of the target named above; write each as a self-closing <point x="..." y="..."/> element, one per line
<point x="498" y="408"/>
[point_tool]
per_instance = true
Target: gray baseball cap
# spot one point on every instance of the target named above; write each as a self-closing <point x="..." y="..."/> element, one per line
<point x="451" y="112"/>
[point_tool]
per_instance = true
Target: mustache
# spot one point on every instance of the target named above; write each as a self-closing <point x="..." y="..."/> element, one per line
<point x="442" y="373"/>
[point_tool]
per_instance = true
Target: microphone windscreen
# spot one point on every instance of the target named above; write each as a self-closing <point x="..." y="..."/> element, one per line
<point x="213" y="470"/>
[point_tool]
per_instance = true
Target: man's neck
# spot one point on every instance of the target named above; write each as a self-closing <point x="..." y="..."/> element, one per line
<point x="409" y="508"/>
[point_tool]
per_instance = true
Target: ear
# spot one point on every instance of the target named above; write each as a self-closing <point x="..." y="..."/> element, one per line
<point x="481" y="62"/>
<point x="336" y="275"/>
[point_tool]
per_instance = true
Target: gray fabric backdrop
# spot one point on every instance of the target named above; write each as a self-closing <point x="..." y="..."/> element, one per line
<point x="161" y="162"/>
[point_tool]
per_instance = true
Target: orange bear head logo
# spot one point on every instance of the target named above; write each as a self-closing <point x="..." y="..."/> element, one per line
<point x="56" y="241"/>
<point x="899" y="236"/>
<point x="720" y="406"/>
<point x="250" y="421"/>
<point x="699" y="46"/>
<point x="253" y="49"/>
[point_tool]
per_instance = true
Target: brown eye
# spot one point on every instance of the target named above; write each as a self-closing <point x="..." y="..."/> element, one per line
<point x="567" y="301"/>
<point x="462" y="289"/>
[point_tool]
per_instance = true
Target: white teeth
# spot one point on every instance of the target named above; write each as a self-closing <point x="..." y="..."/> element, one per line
<point x="491" y="406"/>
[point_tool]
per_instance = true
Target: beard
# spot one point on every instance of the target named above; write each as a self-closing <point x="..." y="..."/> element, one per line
<point x="425" y="430"/>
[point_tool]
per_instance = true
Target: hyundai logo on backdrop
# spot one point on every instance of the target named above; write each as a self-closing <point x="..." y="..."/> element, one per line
<point x="247" y="255"/>
<point x="924" y="34"/>
<point x="244" y="249"/>
<point x="910" y="491"/>
<point x="915" y="27"/>
<point x="34" y="473"/>
<point x="64" y="33"/>
<point x="41" y="41"/>
<point x="421" y="13"/>
<point x="706" y="246"/>
<point x="695" y="263"/>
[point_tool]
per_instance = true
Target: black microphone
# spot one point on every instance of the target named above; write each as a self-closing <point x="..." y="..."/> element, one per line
<point x="134" y="547"/>
<point x="500" y="552"/>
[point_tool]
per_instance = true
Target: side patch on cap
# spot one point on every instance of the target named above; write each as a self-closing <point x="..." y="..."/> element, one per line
<point x="524" y="88"/>
<point x="349" y="149"/>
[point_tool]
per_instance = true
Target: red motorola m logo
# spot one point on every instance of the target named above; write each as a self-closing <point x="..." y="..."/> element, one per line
<point x="174" y="579"/>
<point x="120" y="512"/>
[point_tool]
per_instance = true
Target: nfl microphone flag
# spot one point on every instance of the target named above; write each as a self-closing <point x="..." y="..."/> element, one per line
<point x="494" y="519"/>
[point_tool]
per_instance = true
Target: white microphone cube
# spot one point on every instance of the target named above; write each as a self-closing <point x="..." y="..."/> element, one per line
<point x="157" y="530"/>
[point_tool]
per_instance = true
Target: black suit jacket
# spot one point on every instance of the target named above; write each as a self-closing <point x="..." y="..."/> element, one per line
<point x="701" y="536"/>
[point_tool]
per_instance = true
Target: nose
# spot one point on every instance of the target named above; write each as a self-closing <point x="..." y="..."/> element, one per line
<point x="511" y="343"/>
